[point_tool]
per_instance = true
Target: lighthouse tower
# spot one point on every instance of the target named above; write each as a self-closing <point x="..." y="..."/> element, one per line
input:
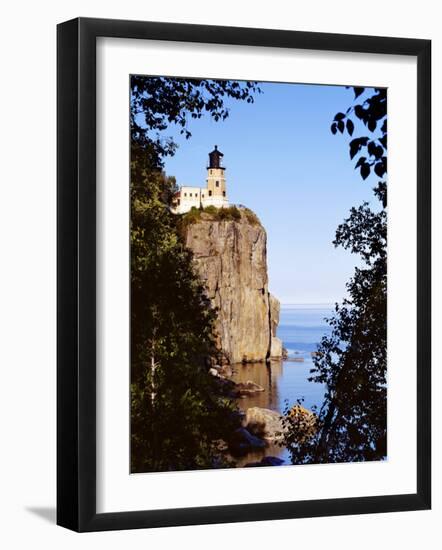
<point x="214" y="194"/>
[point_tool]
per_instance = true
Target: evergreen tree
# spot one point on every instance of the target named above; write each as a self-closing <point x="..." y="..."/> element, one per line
<point x="178" y="410"/>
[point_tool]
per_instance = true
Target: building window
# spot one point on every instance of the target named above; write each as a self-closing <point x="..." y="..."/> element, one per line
<point x="224" y="193"/>
<point x="179" y="202"/>
<point x="217" y="183"/>
<point x="210" y="192"/>
<point x="202" y="196"/>
<point x="210" y="172"/>
<point x="185" y="194"/>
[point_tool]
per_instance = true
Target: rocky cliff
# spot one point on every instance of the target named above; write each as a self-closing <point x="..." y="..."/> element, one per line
<point x="230" y="256"/>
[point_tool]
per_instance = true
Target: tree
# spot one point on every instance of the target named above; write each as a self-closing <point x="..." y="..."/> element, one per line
<point x="158" y="102"/>
<point x="178" y="410"/>
<point x="352" y="362"/>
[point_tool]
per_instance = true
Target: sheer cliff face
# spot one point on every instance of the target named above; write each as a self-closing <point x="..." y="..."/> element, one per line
<point x="230" y="257"/>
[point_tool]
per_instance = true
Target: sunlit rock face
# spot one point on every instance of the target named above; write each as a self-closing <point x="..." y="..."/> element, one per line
<point x="276" y="350"/>
<point x="230" y="256"/>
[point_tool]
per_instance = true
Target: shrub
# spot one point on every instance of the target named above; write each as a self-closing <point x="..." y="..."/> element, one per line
<point x="252" y="218"/>
<point x="219" y="214"/>
<point x="230" y="213"/>
<point x="211" y="210"/>
<point x="191" y="217"/>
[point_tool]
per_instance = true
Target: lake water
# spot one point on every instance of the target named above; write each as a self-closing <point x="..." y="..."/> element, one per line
<point x="300" y="329"/>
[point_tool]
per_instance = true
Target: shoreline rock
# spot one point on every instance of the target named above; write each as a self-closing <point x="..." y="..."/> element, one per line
<point x="264" y="423"/>
<point x="276" y="349"/>
<point x="223" y="371"/>
<point x="266" y="461"/>
<point x="242" y="442"/>
<point x="247" y="388"/>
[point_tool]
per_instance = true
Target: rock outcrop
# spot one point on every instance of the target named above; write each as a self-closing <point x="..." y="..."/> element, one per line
<point x="230" y="255"/>
<point x="276" y="349"/>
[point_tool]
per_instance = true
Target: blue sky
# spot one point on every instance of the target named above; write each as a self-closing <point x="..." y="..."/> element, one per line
<point x="284" y="163"/>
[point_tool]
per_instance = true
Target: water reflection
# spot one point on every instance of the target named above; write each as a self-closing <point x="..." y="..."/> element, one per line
<point x="284" y="382"/>
<point x="266" y="376"/>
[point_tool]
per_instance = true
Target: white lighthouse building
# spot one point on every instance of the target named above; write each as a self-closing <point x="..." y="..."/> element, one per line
<point x="214" y="194"/>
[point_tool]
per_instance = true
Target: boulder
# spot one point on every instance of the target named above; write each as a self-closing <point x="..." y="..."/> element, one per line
<point x="225" y="371"/>
<point x="242" y="442"/>
<point x="266" y="461"/>
<point x="276" y="349"/>
<point x="247" y="388"/>
<point x="264" y="423"/>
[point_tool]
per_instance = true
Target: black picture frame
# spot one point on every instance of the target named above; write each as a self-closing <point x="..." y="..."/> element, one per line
<point x="76" y="272"/>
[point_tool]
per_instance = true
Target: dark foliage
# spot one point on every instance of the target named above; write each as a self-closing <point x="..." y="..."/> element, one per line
<point x="352" y="361"/>
<point x="158" y="102"/>
<point x="373" y="114"/>
<point x="178" y="410"/>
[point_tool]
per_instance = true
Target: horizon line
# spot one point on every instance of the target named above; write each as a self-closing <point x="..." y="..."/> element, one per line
<point x="308" y="303"/>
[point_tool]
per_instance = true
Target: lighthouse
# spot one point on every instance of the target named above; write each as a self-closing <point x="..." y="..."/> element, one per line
<point x="214" y="194"/>
<point x="216" y="181"/>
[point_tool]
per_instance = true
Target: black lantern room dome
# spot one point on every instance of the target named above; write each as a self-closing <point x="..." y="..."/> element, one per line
<point x="215" y="158"/>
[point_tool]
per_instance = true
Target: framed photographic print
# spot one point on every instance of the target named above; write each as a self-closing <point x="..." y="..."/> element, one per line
<point x="243" y="315"/>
